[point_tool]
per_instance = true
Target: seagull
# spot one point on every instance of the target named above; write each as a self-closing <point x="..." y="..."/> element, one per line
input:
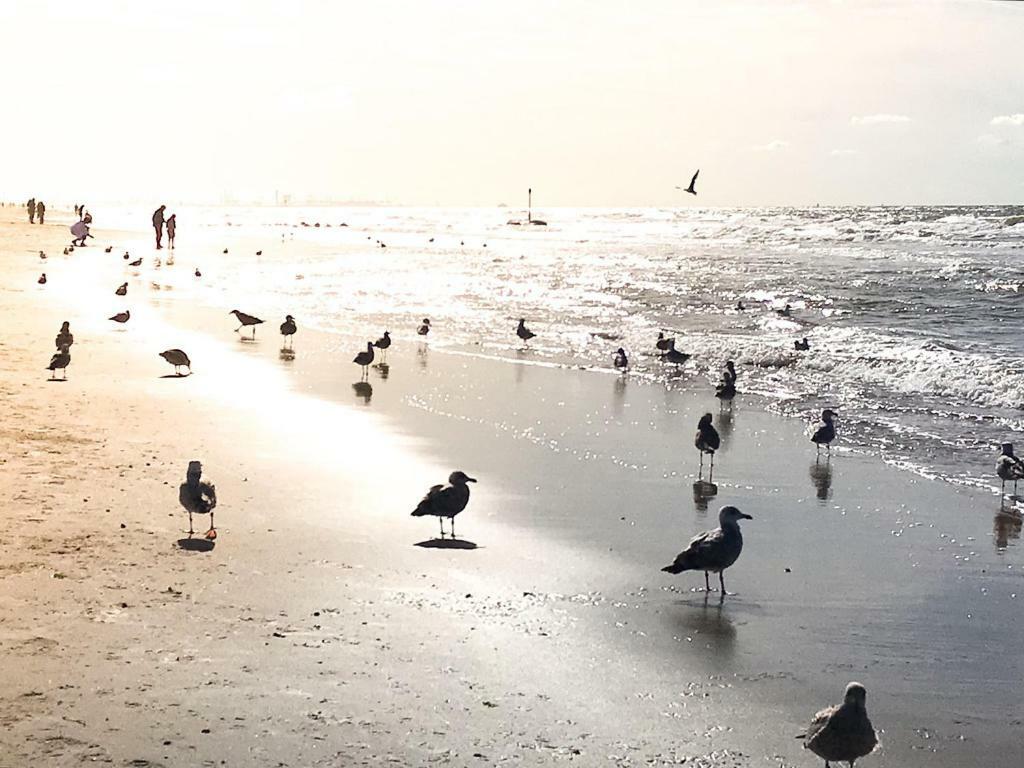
<point x="61" y="359"/>
<point x="42" y="255"/>
<point x="258" y="253"/>
<point x="136" y="263"/>
<point x="802" y="346"/>
<point x="673" y="355"/>
<point x="225" y="250"/>
<point x="108" y="249"/>
<point x="664" y="344"/>
<point x="121" y="317"/>
<point x="177" y="358"/>
<point x="446" y="502"/>
<point x="122" y="289"/>
<point x="842" y="733"/>
<point x="524" y="333"/>
<point x="706" y="441"/>
<point x="424" y="329"/>
<point x="691" y="189"/>
<point x="198" y="497"/>
<point x="42" y="279"/>
<point x="288" y="327"/>
<point x="784" y="312"/>
<point x="64" y="338"/>
<point x="740" y="307"/>
<point x="726" y="389"/>
<point x="1009" y="467"/>
<point x="382" y="344"/>
<point x="126" y="256"/>
<point x="621" y="361"/>
<point x="198" y="273"/>
<point x="826" y="433"/>
<point x="713" y="551"/>
<point x="245" y="320"/>
<point x="364" y="358"/>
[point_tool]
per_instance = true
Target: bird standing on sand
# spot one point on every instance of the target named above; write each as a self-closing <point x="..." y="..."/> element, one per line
<point x="126" y="256"/>
<point x="424" y="328"/>
<point x="826" y="433"/>
<point x="288" y="328"/>
<point x="802" y="346"/>
<point x="136" y="263"/>
<point x="706" y="441"/>
<point x="843" y="733"/>
<point x="245" y="320"/>
<point x="121" y="317"/>
<point x="42" y="279"/>
<point x="713" y="551"/>
<point x="364" y="358"/>
<point x="198" y="273"/>
<point x="524" y="333"/>
<point x="1009" y="467"/>
<point x="664" y="344"/>
<point x="382" y="344"/>
<point x="198" y="497"/>
<point x="177" y="358"/>
<point x="61" y="359"/>
<point x="621" y="361"/>
<point x="692" y="188"/>
<point x="108" y="249"/>
<point x="122" y="290"/>
<point x="673" y="355"/>
<point x="42" y="255"/>
<point x="726" y="389"/>
<point x="446" y="502"/>
<point x="64" y="338"/>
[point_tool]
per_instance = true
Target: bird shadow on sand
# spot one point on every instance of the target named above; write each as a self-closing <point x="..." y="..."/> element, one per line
<point x="176" y="376"/>
<point x="706" y="618"/>
<point x="56" y="380"/>
<point x="196" y="545"/>
<point x="446" y="544"/>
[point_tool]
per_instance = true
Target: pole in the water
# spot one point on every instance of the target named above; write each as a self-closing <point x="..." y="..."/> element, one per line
<point x="529" y="205"/>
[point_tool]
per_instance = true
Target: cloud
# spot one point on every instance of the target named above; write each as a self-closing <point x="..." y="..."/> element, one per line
<point x="880" y="119"/>
<point x="771" y="146"/>
<point x="843" y="152"/>
<point x="988" y="140"/>
<point x="1016" y="120"/>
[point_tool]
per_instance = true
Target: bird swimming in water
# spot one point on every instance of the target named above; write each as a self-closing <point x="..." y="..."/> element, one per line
<point x="122" y="290"/>
<point x="288" y="328"/>
<point x="177" y="358"/>
<point x="802" y="345"/>
<point x="692" y="189"/>
<point x="673" y="355"/>
<point x="245" y="320"/>
<point x="524" y="333"/>
<point x="424" y="328"/>
<point x="621" y="361"/>
<point x="706" y="441"/>
<point x="64" y="338"/>
<point x="843" y="733"/>
<point x="42" y="279"/>
<point x="826" y="433"/>
<point x="382" y="344"/>
<point x="121" y="317"/>
<point x="446" y="502"/>
<point x="364" y="358"/>
<point x="713" y="551"/>
<point x="136" y="263"/>
<point x="1009" y="467"/>
<point x="61" y="359"/>
<point x="198" y="497"/>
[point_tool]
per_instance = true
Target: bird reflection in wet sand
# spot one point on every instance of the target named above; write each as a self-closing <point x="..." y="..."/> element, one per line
<point x="287" y="354"/>
<point x="706" y="622"/>
<point x="725" y="424"/>
<point x="383" y="370"/>
<point x="364" y="390"/>
<point x="1006" y="525"/>
<point x="821" y="477"/>
<point x="703" y="492"/>
<point x="421" y="354"/>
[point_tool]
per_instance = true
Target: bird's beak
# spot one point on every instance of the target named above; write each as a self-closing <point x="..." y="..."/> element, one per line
<point x="745" y="516"/>
<point x="470" y="479"/>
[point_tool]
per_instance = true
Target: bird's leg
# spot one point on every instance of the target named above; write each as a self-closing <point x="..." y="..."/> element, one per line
<point x="211" y="520"/>
<point x="700" y="470"/>
<point x="721" y="581"/>
<point x="453" y="527"/>
<point x="441" y="521"/>
<point x="707" y="584"/>
<point x="711" y="471"/>
<point x="190" y="531"/>
<point x="238" y="329"/>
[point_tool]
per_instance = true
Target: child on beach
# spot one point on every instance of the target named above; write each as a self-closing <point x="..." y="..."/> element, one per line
<point x="171" y="224"/>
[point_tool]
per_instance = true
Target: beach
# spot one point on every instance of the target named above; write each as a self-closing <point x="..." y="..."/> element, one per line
<point x="316" y="632"/>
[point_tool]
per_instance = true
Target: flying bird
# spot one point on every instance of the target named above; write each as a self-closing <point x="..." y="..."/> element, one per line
<point x="1009" y="467"/>
<point x="424" y="328"/>
<point x="843" y="733"/>
<point x="692" y="189"/>
<point x="524" y="333"/>
<point x="706" y="441"/>
<point x="288" y="327"/>
<point x="364" y="358"/>
<point x="177" y="358"/>
<point x="713" y="551"/>
<point x="245" y="320"/>
<point x="198" y="497"/>
<point x="122" y="289"/>
<point x="121" y="317"/>
<point x="61" y="359"/>
<point x="826" y="433"/>
<point x="443" y="502"/>
<point x="64" y="338"/>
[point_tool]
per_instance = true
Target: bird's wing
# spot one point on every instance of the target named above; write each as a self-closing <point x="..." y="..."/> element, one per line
<point x="703" y="544"/>
<point x="208" y="491"/>
<point x="694" y="179"/>
<point x="819" y="724"/>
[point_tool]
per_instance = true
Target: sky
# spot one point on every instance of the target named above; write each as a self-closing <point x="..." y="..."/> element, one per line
<point x="591" y="103"/>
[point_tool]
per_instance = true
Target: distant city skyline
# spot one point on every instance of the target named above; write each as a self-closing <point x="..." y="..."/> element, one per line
<point x="468" y="104"/>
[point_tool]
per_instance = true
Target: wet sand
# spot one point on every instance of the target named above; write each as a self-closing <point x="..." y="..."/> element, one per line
<point x="316" y="632"/>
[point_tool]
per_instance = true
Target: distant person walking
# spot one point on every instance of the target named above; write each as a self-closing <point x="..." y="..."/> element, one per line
<point x="31" y="205"/>
<point x="172" y="224"/>
<point x="41" y="211"/>
<point x="158" y="225"/>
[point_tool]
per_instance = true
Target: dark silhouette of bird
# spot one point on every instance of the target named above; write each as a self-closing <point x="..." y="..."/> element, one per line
<point x="424" y="328"/>
<point x="803" y="345"/>
<point x="126" y="256"/>
<point x="620" y="361"/>
<point x="786" y="311"/>
<point x="61" y="359"/>
<point x="245" y="320"/>
<point x="64" y="338"/>
<point x="259" y="253"/>
<point x="364" y="358"/>
<point x="692" y="189"/>
<point x="121" y="317"/>
<point x="198" y="273"/>
<point x="843" y="733"/>
<point x="443" y="502"/>
<point x="673" y="355"/>
<point x="663" y="343"/>
<point x="108" y="249"/>
<point x="430" y="240"/>
<point x="225" y="250"/>
<point x="1009" y="467"/>
<point x="42" y="279"/>
<point x="177" y="358"/>
<point x="382" y="344"/>
<point x="740" y="307"/>
<point x="826" y="433"/>
<point x="122" y="289"/>
<point x="706" y="441"/>
<point x="136" y="263"/>
<point x="288" y="328"/>
<point x="524" y="333"/>
<point x="42" y="255"/>
<point x="198" y="497"/>
<point x="713" y="551"/>
<point x="726" y="389"/>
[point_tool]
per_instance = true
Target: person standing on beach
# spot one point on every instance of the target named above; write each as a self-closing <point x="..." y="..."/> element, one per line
<point x="171" y="226"/>
<point x="158" y="225"/>
<point x="31" y="205"/>
<point x="41" y="211"/>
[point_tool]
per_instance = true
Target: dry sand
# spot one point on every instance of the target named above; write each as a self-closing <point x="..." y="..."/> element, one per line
<point x="315" y="633"/>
